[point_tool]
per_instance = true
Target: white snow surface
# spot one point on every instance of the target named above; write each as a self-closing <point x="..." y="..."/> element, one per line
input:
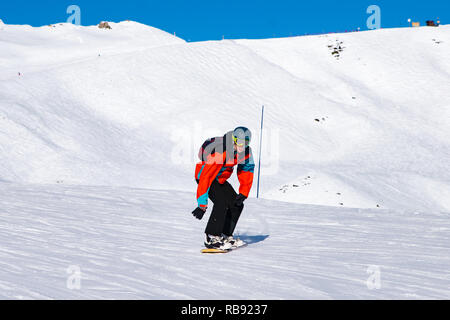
<point x="99" y="133"/>
<point x="142" y="244"/>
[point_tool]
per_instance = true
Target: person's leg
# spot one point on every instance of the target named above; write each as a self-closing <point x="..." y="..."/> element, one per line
<point x="217" y="218"/>
<point x="233" y="212"/>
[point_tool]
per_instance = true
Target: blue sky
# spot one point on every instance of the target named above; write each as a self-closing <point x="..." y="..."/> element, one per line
<point x="196" y="20"/>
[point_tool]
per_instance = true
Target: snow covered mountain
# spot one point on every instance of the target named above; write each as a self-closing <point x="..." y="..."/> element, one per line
<point x="357" y="124"/>
<point x="131" y="105"/>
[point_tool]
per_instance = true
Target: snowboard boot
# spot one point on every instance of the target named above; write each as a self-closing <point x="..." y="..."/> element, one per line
<point x="234" y="242"/>
<point x="216" y="242"/>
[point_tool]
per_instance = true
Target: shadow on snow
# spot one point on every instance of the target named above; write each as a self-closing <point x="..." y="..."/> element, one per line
<point x="253" y="239"/>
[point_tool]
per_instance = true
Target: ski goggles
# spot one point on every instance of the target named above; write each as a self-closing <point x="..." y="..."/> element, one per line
<point x="240" y="142"/>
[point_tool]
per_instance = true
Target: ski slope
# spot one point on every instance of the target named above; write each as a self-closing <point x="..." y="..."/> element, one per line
<point x="143" y="244"/>
<point x="99" y="134"/>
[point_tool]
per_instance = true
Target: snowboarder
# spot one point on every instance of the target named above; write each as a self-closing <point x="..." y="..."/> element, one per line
<point x="218" y="157"/>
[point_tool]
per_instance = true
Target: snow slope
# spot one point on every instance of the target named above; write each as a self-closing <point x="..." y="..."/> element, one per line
<point x="140" y="244"/>
<point x="27" y="49"/>
<point x="99" y="133"/>
<point x="136" y="114"/>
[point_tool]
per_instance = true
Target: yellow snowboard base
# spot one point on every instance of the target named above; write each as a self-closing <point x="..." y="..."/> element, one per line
<point x="213" y="251"/>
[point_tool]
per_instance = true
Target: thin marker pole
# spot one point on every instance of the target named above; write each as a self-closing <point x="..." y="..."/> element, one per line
<point x="260" y="145"/>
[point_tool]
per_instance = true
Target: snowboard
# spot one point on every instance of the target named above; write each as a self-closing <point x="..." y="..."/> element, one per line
<point x="214" y="251"/>
<point x="220" y="251"/>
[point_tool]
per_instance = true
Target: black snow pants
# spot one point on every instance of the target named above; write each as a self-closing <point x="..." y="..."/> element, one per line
<point x="225" y="214"/>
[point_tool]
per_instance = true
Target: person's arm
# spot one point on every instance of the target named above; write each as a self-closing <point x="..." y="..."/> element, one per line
<point x="207" y="174"/>
<point x="245" y="172"/>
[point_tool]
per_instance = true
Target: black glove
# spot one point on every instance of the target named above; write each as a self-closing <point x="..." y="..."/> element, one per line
<point x="198" y="213"/>
<point x="239" y="202"/>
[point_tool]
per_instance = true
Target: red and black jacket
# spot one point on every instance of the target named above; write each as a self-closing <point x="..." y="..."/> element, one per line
<point x="218" y="159"/>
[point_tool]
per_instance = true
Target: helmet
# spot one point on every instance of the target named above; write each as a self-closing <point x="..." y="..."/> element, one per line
<point x="242" y="136"/>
